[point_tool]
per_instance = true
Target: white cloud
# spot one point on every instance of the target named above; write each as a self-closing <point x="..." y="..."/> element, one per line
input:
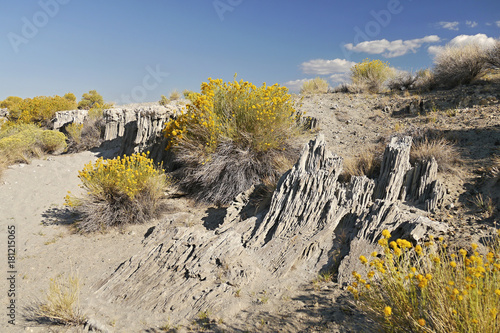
<point x="295" y="85"/>
<point x="497" y="23"/>
<point x="449" y="25"/>
<point x="461" y="40"/>
<point x="326" y="67"/>
<point x="392" y="49"/>
<point x="471" y="24"/>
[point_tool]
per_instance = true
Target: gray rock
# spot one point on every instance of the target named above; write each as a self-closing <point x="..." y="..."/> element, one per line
<point x="310" y="214"/>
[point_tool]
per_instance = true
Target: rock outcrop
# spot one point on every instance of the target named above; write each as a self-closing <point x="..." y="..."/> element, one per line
<point x="139" y="129"/>
<point x="188" y="269"/>
<point x="63" y="118"/>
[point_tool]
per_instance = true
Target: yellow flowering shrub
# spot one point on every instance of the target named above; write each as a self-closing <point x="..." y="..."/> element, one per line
<point x="39" y="110"/>
<point x="118" y="191"/>
<point x="371" y="74"/>
<point x="21" y="142"/>
<point x="314" y="86"/>
<point x="429" y="288"/>
<point x="225" y="120"/>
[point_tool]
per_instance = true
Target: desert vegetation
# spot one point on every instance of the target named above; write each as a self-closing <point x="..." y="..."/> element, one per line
<point x="314" y="86"/>
<point x="118" y="191"/>
<point x="21" y="142"/>
<point x="371" y="75"/>
<point x="233" y="135"/>
<point x="430" y="287"/>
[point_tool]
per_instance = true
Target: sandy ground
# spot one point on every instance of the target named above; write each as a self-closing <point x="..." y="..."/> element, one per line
<point x="32" y="197"/>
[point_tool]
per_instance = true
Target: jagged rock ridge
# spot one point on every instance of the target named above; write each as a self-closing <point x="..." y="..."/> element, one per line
<point x="187" y="269"/>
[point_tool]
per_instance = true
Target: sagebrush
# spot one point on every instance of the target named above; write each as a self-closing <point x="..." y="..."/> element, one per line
<point x="456" y="65"/>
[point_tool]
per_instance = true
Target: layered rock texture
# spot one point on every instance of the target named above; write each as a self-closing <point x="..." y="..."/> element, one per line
<point x="314" y="222"/>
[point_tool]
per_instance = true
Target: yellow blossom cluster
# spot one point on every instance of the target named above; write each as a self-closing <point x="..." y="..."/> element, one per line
<point x="257" y="117"/>
<point x="39" y="109"/>
<point x="126" y="175"/>
<point x="431" y="285"/>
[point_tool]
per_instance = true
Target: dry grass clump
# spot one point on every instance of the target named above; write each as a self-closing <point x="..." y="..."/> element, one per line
<point x="366" y="164"/>
<point x="118" y="192"/>
<point x="62" y="305"/>
<point x="456" y="65"/>
<point x="21" y="142"/>
<point x="232" y="136"/>
<point x="441" y="149"/>
<point x="371" y="75"/>
<point x="314" y="86"/>
<point x="428" y="288"/>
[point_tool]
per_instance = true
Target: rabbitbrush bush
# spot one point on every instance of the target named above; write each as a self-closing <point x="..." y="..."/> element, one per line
<point x="371" y="75"/>
<point x="314" y="86"/>
<point x="429" y="288"/>
<point x="21" y="142"/>
<point x="119" y="191"/>
<point x="232" y="136"/>
<point x="39" y="110"/>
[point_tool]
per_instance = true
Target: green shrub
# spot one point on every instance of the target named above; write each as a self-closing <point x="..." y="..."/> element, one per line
<point x="118" y="192"/>
<point x="232" y="136"/>
<point x="90" y="100"/>
<point x="314" y="86"/>
<point x="428" y="288"/>
<point x="456" y="65"/>
<point x="371" y="75"/>
<point x="39" y="110"/>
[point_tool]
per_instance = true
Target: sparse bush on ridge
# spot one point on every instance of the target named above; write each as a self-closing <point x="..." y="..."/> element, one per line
<point x="371" y="75"/>
<point x="429" y="288"/>
<point x="164" y="100"/>
<point x="456" y="65"/>
<point x="314" y="86"/>
<point x="232" y="136"/>
<point x="120" y="191"/>
<point x="402" y="80"/>
<point x="174" y="95"/>
<point x="424" y="80"/>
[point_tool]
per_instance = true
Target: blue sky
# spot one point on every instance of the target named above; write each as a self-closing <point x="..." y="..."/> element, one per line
<point x="135" y="51"/>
